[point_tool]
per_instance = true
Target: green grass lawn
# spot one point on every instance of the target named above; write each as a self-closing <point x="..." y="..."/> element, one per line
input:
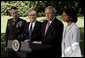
<point x="4" y="19"/>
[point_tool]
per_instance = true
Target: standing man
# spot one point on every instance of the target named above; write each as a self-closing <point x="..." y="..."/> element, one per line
<point x="33" y="28"/>
<point x="52" y="29"/>
<point x="15" y="27"/>
<point x="33" y="31"/>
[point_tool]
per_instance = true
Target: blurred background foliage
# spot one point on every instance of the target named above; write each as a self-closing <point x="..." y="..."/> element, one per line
<point x="39" y="6"/>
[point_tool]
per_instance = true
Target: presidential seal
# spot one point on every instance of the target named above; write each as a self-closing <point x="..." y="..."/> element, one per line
<point x="15" y="45"/>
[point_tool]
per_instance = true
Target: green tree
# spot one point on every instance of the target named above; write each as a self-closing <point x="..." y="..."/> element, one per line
<point x="39" y="6"/>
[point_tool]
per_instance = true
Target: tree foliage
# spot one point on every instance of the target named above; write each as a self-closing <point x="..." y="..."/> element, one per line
<point x="39" y="6"/>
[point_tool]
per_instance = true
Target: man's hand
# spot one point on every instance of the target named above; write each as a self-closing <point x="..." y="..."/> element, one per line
<point x="6" y="49"/>
<point x="37" y="42"/>
<point x="27" y="40"/>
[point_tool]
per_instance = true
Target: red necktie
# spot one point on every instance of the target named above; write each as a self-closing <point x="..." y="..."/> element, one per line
<point x="47" y="27"/>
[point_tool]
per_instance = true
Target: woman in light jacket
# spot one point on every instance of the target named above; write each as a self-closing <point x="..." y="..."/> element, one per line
<point x="71" y="34"/>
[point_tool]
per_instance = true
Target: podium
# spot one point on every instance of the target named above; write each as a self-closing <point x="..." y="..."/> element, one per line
<point x="23" y="46"/>
<point x="29" y="48"/>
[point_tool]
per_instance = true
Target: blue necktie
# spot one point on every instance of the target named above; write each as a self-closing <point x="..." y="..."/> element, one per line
<point x="30" y="32"/>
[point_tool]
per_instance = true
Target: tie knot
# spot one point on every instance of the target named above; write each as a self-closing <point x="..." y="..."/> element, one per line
<point x="48" y="23"/>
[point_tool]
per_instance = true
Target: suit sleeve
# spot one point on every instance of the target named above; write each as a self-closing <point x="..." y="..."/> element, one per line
<point x="75" y="43"/>
<point x="25" y="35"/>
<point x="25" y="31"/>
<point x="58" y="33"/>
<point x="58" y="38"/>
<point x="74" y="49"/>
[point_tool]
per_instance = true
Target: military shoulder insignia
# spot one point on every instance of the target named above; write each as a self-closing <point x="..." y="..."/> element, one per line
<point x="15" y="45"/>
<point x="19" y="24"/>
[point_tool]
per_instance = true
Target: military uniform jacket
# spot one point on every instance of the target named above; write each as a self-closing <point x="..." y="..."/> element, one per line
<point x="14" y="29"/>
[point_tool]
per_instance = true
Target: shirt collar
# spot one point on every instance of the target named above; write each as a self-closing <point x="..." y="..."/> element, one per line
<point x="51" y="20"/>
<point x="33" y="22"/>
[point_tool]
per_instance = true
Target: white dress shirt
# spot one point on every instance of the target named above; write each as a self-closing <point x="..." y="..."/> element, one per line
<point x="33" y="25"/>
<point x="50" y="21"/>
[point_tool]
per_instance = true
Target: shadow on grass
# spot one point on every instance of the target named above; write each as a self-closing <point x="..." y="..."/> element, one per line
<point x="4" y="54"/>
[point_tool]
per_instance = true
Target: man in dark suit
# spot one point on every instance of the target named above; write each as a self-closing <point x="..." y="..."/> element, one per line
<point x="33" y="28"/>
<point x="52" y="29"/>
<point x="32" y="31"/>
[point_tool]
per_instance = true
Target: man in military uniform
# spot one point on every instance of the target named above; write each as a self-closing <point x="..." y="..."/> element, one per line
<point x="14" y="28"/>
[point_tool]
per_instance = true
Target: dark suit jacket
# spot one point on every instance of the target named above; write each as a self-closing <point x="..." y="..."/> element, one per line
<point x="36" y="33"/>
<point x="53" y="35"/>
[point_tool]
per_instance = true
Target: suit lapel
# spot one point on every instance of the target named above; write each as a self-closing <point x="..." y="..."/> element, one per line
<point x="44" y="27"/>
<point x="51" y="26"/>
<point x="35" y="27"/>
<point x="28" y="27"/>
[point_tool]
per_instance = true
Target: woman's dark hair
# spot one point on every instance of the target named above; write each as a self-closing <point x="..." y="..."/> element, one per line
<point x="71" y="12"/>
